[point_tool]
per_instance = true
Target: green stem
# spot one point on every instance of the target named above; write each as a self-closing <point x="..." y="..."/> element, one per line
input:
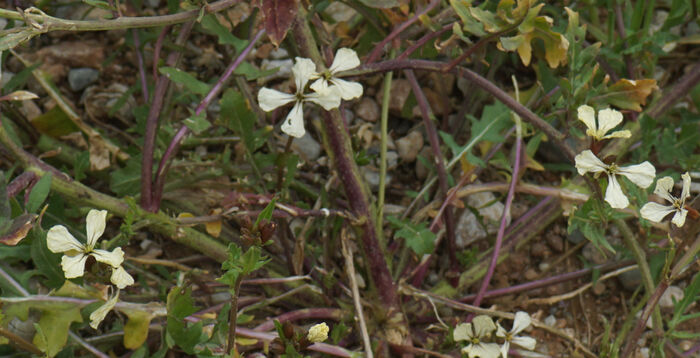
<point x="641" y="259"/>
<point x="232" y="316"/>
<point x="386" y="90"/>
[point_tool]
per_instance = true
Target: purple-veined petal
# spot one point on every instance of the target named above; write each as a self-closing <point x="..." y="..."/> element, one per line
<point x="686" y="187"/>
<point x="655" y="212"/>
<point x="526" y="342"/>
<point x="58" y="239"/>
<point x="95" y="226"/>
<point x="303" y="70"/>
<point x="328" y="100"/>
<point x="586" y="114"/>
<point x="121" y="278"/>
<point x="679" y="218"/>
<point x="664" y="187"/>
<point x="586" y="162"/>
<point x="321" y="85"/>
<point x="347" y="90"/>
<point x="641" y="174"/>
<point x="345" y="59"/>
<point x="463" y="332"/>
<point x="614" y="195"/>
<point x="607" y="120"/>
<point x="522" y="321"/>
<point x="73" y="266"/>
<point x="114" y="258"/>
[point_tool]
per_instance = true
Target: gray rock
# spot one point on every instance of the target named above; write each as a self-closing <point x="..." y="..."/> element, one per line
<point x="368" y="109"/>
<point x="152" y="3"/>
<point x="284" y="68"/>
<point x="279" y="54"/>
<point x="595" y="255"/>
<point x="409" y="146"/>
<point x="468" y="229"/>
<point x="340" y="12"/>
<point x="79" y="78"/>
<point x="672" y="293"/>
<point x="307" y="147"/>
<point x="392" y="160"/>
<point x="489" y="209"/>
<point x="550" y="320"/>
<point x="400" y="90"/>
<point x="631" y="280"/>
<point x="371" y="176"/>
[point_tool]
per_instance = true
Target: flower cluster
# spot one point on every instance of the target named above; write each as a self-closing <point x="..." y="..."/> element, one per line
<point x="75" y="255"/>
<point x="328" y="90"/>
<point x="640" y="174"/>
<point x="318" y="333"/>
<point x="481" y="336"/>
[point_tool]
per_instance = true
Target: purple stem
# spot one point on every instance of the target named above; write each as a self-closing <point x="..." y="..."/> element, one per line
<point x="502" y="227"/>
<point x="422" y="41"/>
<point x="156" y="49"/>
<point x="149" y="141"/>
<point x="552" y="280"/>
<point x="142" y="68"/>
<point x="440" y="164"/>
<point x="184" y="130"/>
<point x="377" y="51"/>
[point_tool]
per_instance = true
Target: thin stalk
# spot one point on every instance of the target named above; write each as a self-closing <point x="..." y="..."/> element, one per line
<point x="641" y="260"/>
<point x="350" y="271"/>
<point x="184" y="130"/>
<point x="386" y="90"/>
<point x="151" y="131"/>
<point x="51" y="23"/>
<point x="20" y="342"/>
<point x="506" y="210"/>
<point x="430" y="129"/>
<point x="232" y="317"/>
<point x="377" y="50"/>
<point x="142" y="67"/>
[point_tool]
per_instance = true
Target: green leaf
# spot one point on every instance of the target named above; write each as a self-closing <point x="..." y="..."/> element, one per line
<point x="39" y="192"/>
<point x="252" y="73"/>
<point x="198" y="123"/>
<point x="180" y="305"/>
<point x="127" y="180"/>
<point x="417" y="236"/>
<point x="99" y="4"/>
<point x="266" y="214"/>
<point x="136" y="328"/>
<point x="48" y="263"/>
<point x="81" y="164"/>
<point x="238" y="117"/>
<point x="53" y="328"/>
<point x="185" y="79"/>
<point x="592" y="223"/>
<point x="212" y="24"/>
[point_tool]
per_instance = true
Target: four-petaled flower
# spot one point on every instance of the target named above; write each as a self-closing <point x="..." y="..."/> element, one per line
<point x="641" y="174"/>
<point x="521" y="322"/>
<point x="656" y="212"/>
<point x="475" y="333"/>
<point x="345" y="59"/>
<point x="607" y="120"/>
<point x="303" y="70"/>
<point x="59" y="240"/>
<point x="318" y="333"/>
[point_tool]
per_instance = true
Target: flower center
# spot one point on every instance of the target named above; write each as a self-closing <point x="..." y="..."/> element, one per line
<point x="475" y="340"/>
<point x="613" y="168"/>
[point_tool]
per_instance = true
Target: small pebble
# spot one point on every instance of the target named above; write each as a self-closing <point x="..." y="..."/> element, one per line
<point x="598" y="288"/>
<point x="409" y="146"/>
<point x="672" y="293"/>
<point x="539" y="250"/>
<point x="530" y="274"/>
<point x="368" y="109"/>
<point x="550" y="320"/>
<point x="79" y="78"/>
<point x="543" y="266"/>
<point x="555" y="242"/>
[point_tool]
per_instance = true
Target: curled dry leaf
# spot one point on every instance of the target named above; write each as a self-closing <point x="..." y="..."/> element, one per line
<point x="18" y="229"/>
<point x="629" y="94"/>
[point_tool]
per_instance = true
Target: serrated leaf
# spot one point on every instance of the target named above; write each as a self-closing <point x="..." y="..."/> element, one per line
<point x="278" y="17"/>
<point x="180" y="305"/>
<point x="190" y="82"/>
<point x="628" y="94"/>
<point x="40" y="191"/>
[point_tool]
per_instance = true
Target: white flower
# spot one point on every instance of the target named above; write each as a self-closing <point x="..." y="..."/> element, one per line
<point x="345" y="59"/>
<point x="607" y="120"/>
<point x="521" y="322"/>
<point x="656" y="212"/>
<point x="270" y="99"/>
<point x="98" y="315"/>
<point x="318" y="333"/>
<point x="58" y="239"/>
<point x="475" y="333"/>
<point x="641" y="174"/>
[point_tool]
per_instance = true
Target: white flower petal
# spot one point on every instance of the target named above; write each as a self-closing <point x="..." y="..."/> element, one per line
<point x="121" y="278"/>
<point x="328" y="100"/>
<point x="586" y="114"/>
<point x="269" y="99"/>
<point x="98" y="315"/>
<point x="73" y="266"/>
<point x="347" y="90"/>
<point x="320" y="85"/>
<point x="528" y="343"/>
<point x="114" y="258"/>
<point x="345" y="59"/>
<point x="483" y="325"/>
<point x="655" y="212"/>
<point x="586" y="162"/>
<point x="522" y="321"/>
<point x="304" y="69"/>
<point x="618" y="134"/>
<point x="504" y="349"/>
<point x="686" y="186"/>
<point x="641" y="174"/>
<point x="58" y="239"/>
<point x="463" y="332"/>
<point x="294" y="123"/>
<point x="614" y="195"/>
<point x="679" y="218"/>
<point x="95" y="226"/>
<point x="483" y="350"/>
<point x="664" y="187"/>
<point x="500" y="331"/>
<point x="607" y="120"/>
